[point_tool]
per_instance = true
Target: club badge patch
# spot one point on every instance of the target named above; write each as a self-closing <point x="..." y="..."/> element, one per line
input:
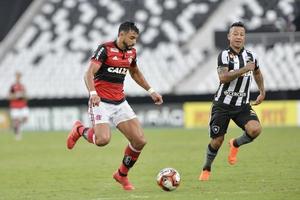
<point x="215" y="129"/>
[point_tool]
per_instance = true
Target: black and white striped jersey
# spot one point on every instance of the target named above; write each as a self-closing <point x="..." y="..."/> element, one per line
<point x="236" y="92"/>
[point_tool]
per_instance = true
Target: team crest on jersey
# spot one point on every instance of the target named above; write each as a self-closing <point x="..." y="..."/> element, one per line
<point x="215" y="129"/>
<point x="114" y="50"/>
<point x="98" y="117"/>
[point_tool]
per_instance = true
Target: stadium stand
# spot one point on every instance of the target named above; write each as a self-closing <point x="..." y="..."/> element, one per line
<point x="267" y="16"/>
<point x="53" y="49"/>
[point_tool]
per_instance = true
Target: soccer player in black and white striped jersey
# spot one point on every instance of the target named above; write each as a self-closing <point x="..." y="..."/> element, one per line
<point x="236" y="67"/>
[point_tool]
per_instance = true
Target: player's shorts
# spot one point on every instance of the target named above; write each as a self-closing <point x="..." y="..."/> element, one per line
<point x="222" y="113"/>
<point x="111" y="113"/>
<point x="19" y="113"/>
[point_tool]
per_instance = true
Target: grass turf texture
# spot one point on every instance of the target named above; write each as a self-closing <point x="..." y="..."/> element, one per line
<point x="40" y="167"/>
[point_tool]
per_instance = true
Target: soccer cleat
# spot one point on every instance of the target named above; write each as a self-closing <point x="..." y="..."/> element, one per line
<point x="232" y="153"/>
<point x="74" y="135"/>
<point x="123" y="180"/>
<point x="204" y="176"/>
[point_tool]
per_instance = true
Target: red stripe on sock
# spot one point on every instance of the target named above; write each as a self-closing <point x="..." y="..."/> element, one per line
<point x="90" y="134"/>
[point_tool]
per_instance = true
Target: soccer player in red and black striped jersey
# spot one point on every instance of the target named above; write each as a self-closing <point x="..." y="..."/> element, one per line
<point x="107" y="104"/>
<point x="236" y="67"/>
<point x="18" y="105"/>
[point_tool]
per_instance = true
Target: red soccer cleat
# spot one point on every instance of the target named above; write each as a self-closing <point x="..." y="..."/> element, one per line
<point x="74" y="135"/>
<point x="232" y="153"/>
<point x="204" y="176"/>
<point x="123" y="180"/>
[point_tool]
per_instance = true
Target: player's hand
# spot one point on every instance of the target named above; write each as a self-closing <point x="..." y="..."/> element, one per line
<point x="94" y="100"/>
<point x="157" y="98"/>
<point x="259" y="99"/>
<point x="250" y="66"/>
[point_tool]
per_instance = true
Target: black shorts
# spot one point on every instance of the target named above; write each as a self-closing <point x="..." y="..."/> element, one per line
<point x="222" y="113"/>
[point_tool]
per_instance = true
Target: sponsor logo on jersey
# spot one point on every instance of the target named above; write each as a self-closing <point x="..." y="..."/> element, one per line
<point x="115" y="58"/>
<point x="99" y="53"/>
<point x="117" y="70"/>
<point x="235" y="94"/>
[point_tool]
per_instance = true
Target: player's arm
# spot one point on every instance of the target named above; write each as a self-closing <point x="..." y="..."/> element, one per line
<point x="97" y="59"/>
<point x="258" y="77"/>
<point x="11" y="94"/>
<point x="226" y="76"/>
<point x="89" y="82"/>
<point x="139" y="78"/>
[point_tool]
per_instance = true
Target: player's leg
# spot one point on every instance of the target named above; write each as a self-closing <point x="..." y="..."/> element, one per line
<point x="248" y="121"/>
<point x="126" y="121"/>
<point x="99" y="134"/>
<point x="133" y="132"/>
<point x="23" y="114"/>
<point x="16" y="128"/>
<point x="218" y="128"/>
<point x="16" y="122"/>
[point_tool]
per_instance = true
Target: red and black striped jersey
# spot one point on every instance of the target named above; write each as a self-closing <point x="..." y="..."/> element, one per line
<point x="109" y="79"/>
<point x="18" y="90"/>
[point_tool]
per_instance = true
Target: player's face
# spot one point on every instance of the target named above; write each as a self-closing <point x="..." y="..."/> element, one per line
<point x="129" y="39"/>
<point x="18" y="77"/>
<point x="236" y="37"/>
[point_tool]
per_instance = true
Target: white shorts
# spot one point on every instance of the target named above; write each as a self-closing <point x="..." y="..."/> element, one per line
<point x="111" y="113"/>
<point x="19" y="113"/>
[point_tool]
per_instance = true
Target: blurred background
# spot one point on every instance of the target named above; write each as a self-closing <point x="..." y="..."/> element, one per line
<point x="50" y="42"/>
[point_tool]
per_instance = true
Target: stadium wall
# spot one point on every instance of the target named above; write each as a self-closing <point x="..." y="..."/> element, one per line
<point x="187" y="115"/>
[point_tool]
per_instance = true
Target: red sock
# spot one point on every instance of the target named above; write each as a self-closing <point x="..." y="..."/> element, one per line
<point x="130" y="157"/>
<point x="88" y="134"/>
<point x="81" y="130"/>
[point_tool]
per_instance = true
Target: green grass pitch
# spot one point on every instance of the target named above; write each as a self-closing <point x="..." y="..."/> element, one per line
<point x="39" y="167"/>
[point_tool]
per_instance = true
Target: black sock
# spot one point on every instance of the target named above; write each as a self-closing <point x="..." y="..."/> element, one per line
<point x="243" y="139"/>
<point x="211" y="153"/>
<point x="85" y="133"/>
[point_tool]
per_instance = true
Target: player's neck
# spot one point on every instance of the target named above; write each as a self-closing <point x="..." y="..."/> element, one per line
<point x="120" y="45"/>
<point x="236" y="49"/>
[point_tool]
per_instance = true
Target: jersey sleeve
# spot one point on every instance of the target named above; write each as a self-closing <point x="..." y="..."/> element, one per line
<point x="11" y="89"/>
<point x="223" y="59"/>
<point x="255" y="59"/>
<point x="100" y="55"/>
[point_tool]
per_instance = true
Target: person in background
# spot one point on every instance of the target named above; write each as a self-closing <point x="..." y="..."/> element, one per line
<point x="19" y="111"/>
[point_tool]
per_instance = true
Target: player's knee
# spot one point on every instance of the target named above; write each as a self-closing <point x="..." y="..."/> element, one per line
<point x="102" y="141"/>
<point x="139" y="143"/>
<point x="217" y="142"/>
<point x="254" y="131"/>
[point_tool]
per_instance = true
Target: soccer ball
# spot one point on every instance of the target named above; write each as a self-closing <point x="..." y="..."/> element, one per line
<point x="168" y="179"/>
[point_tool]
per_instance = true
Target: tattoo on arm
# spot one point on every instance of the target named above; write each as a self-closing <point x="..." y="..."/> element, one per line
<point x="222" y="70"/>
<point x="259" y="80"/>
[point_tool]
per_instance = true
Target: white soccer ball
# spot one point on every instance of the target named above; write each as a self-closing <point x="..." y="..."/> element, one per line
<point x="168" y="179"/>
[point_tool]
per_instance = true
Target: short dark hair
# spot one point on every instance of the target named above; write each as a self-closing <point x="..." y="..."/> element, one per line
<point x="237" y="24"/>
<point x="128" y="26"/>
